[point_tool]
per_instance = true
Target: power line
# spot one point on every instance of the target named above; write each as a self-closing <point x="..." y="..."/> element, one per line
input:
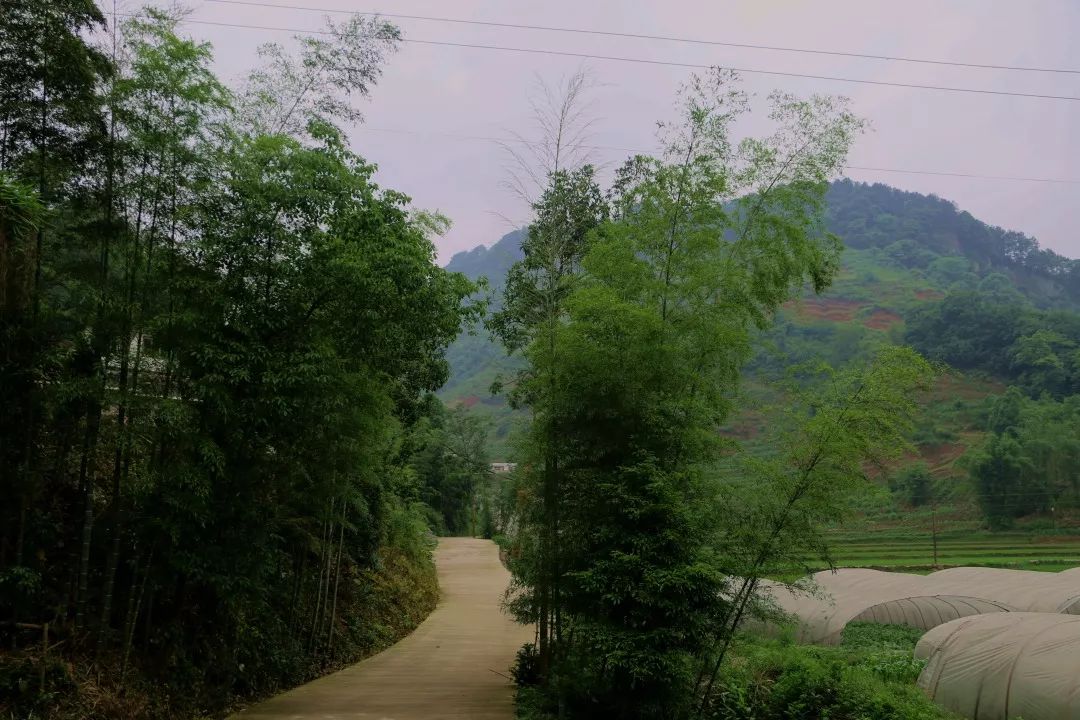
<point x="499" y="140"/>
<point x="777" y="73"/>
<point x="665" y="38"/>
<point x="643" y="61"/>
<point x="630" y="150"/>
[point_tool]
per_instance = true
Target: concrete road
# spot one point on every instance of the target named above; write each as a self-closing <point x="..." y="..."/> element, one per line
<point x="453" y="666"/>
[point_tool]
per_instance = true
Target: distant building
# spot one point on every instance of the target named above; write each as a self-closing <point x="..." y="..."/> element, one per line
<point x="503" y="467"/>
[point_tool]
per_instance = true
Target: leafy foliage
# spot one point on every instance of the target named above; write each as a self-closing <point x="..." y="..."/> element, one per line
<point x="871" y="677"/>
<point x="448" y="456"/>
<point x="703" y="244"/>
<point x="914" y="484"/>
<point x="219" y="337"/>
<point x="1028" y="461"/>
<point x="315" y="85"/>
<point x="930" y="233"/>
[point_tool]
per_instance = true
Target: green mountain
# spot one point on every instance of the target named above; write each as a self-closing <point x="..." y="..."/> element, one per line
<point x="904" y="253"/>
<point x="476" y="360"/>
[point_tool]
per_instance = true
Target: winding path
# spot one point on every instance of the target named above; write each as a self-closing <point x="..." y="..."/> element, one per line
<point x="454" y="665"/>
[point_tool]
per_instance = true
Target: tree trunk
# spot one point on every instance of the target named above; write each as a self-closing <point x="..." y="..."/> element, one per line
<point x="319" y="589"/>
<point x="105" y="626"/>
<point x="297" y="611"/>
<point x="337" y="580"/>
<point x="125" y="412"/>
<point x="132" y="590"/>
<point x="324" y="619"/>
<point x="134" y="615"/>
<point x="86" y="482"/>
<point x="20" y="537"/>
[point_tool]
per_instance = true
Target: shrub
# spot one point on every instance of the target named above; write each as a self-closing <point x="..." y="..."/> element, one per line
<point x="914" y="485"/>
<point x="868" y="636"/>
<point x="870" y="676"/>
<point x="526" y="668"/>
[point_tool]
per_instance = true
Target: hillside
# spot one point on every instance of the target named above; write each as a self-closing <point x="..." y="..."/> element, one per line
<point x="903" y="251"/>
<point x="475" y="359"/>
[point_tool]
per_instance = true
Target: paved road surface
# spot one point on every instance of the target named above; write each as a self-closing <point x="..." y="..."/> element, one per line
<point x="442" y="671"/>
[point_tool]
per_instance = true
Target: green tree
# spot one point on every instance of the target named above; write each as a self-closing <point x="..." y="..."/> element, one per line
<point x="1028" y="461"/>
<point x="914" y="485"/>
<point x="21" y="214"/>
<point x="316" y="83"/>
<point x="218" y="349"/>
<point x="776" y="508"/>
<point x="1044" y="361"/>
<point x="703" y="245"/>
<point x="448" y="454"/>
<point x="969" y="330"/>
<point x="554" y="176"/>
<point x="51" y="126"/>
<point x="997" y="470"/>
<point x="1005" y="413"/>
<point x="534" y="302"/>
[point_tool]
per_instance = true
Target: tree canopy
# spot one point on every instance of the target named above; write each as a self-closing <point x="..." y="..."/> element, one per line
<point x="220" y="337"/>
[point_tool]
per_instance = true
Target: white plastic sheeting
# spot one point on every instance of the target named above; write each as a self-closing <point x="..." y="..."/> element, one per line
<point x="1026" y="590"/>
<point x="1003" y="666"/>
<point x="921" y="601"/>
<point x="856" y="594"/>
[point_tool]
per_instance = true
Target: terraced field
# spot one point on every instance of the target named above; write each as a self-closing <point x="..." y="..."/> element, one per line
<point x="915" y="552"/>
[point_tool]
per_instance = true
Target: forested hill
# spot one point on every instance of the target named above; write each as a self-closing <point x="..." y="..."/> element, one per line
<point x="904" y="251"/>
<point x="928" y="233"/>
<point x="491" y="262"/>
<point x="913" y="230"/>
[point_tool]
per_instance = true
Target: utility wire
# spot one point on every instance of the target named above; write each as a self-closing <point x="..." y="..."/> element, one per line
<point x="643" y="61"/>
<point x="665" y="38"/>
<point x="503" y="140"/>
<point x="777" y="73"/>
<point x="520" y="141"/>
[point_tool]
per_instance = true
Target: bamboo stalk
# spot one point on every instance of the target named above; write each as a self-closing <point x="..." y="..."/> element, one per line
<point x="337" y="580"/>
<point x="44" y="657"/>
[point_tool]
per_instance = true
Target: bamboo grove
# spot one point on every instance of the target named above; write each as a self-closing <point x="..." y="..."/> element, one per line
<point x="217" y="333"/>
<point x="638" y="533"/>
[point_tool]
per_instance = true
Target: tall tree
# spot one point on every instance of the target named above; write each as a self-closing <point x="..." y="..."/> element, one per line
<point x="534" y="310"/>
<point x="704" y="243"/>
<point x="215" y="354"/>
<point x="554" y="176"/>
<point x="21" y="215"/>
<point x="775" y="508"/>
<point x="51" y="126"/>
<point x="318" y="81"/>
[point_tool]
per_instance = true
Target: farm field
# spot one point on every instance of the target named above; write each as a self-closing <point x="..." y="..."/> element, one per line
<point x="914" y="552"/>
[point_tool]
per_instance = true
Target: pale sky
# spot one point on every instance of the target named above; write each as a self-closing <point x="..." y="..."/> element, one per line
<point x="460" y="91"/>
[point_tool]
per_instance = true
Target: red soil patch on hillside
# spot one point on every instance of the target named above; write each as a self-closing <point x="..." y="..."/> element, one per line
<point x="929" y="294"/>
<point x="941" y="456"/>
<point x="468" y="401"/>
<point x="881" y="319"/>
<point x="829" y="309"/>
<point x="953" y="386"/>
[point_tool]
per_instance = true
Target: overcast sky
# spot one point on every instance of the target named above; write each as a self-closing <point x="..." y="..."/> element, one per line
<point x="458" y="91"/>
